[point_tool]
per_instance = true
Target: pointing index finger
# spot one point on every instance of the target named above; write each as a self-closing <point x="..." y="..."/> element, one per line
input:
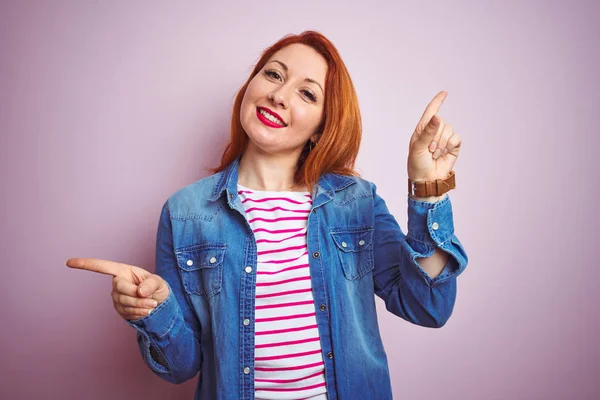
<point x="96" y="265"/>
<point x="432" y="108"/>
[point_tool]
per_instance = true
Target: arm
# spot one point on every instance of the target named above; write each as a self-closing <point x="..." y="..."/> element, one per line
<point x="406" y="288"/>
<point x="437" y="263"/>
<point x="169" y="338"/>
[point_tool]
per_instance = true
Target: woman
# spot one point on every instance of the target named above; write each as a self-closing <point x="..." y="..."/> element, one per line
<point x="266" y="270"/>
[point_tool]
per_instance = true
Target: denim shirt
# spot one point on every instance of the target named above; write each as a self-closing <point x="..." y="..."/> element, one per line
<point x="206" y="324"/>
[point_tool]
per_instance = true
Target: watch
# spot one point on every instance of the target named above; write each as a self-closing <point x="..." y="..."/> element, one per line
<point x="432" y="188"/>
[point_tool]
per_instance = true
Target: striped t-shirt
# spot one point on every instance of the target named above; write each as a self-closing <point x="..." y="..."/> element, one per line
<point x="288" y="363"/>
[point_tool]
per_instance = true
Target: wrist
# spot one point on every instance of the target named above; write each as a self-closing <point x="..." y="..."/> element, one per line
<point x="431" y="190"/>
<point x="429" y="199"/>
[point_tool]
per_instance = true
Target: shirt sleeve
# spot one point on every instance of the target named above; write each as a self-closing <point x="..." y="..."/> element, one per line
<point x="169" y="338"/>
<point x="407" y="290"/>
<point x="431" y="225"/>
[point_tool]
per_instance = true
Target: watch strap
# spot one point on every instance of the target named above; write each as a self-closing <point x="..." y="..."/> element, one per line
<point x="432" y="188"/>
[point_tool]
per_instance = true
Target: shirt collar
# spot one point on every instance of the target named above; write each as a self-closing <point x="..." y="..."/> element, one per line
<point x="228" y="178"/>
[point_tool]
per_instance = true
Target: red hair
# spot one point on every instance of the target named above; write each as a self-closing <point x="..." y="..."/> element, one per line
<point x="341" y="128"/>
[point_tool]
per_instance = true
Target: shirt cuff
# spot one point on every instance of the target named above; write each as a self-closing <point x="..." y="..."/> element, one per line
<point x="161" y="319"/>
<point x="429" y="224"/>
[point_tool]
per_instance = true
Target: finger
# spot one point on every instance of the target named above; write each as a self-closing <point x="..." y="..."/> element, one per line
<point x="142" y="312"/>
<point x="132" y="317"/>
<point x="432" y="108"/>
<point x="149" y="286"/>
<point x="131" y="311"/>
<point x="97" y="265"/>
<point x="441" y="145"/>
<point x="453" y="144"/>
<point x="129" y="301"/>
<point x="434" y="132"/>
<point x="122" y="285"/>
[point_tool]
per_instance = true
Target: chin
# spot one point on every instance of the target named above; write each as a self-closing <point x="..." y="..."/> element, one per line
<point x="257" y="131"/>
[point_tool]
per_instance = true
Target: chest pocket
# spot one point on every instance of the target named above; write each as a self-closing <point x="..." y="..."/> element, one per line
<point x="201" y="268"/>
<point x="355" y="250"/>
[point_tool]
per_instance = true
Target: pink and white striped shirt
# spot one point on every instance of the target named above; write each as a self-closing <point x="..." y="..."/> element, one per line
<point x="288" y="362"/>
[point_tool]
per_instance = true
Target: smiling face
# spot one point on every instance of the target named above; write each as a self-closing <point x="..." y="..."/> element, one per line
<point x="283" y="104"/>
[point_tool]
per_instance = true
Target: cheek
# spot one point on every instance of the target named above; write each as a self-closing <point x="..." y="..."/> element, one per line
<point x="247" y="108"/>
<point x="247" y="97"/>
<point x="251" y="93"/>
<point x="256" y="89"/>
<point x="307" y="117"/>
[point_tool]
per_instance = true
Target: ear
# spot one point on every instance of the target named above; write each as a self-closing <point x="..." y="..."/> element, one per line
<point x="318" y="132"/>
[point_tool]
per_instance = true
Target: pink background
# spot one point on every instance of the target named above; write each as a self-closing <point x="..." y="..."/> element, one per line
<point x="107" y="108"/>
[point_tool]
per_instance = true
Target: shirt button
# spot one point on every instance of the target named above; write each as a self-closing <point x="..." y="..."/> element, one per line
<point x="246" y="370"/>
<point x="344" y="244"/>
<point x="361" y="243"/>
<point x="323" y="307"/>
<point x="330" y="355"/>
<point x="316" y="254"/>
<point x="212" y="260"/>
<point x="189" y="263"/>
<point x="435" y="226"/>
<point x="246" y="322"/>
<point x="248" y="270"/>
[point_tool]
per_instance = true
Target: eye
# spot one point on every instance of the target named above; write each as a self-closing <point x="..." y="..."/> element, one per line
<point x="310" y="95"/>
<point x="273" y="74"/>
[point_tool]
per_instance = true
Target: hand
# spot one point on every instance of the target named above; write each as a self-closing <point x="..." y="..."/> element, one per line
<point x="434" y="145"/>
<point x="136" y="292"/>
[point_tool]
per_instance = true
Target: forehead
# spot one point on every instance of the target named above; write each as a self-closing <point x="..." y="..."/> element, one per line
<point x="302" y="60"/>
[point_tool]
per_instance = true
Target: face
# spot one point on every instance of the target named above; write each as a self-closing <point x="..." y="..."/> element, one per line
<point x="283" y="104"/>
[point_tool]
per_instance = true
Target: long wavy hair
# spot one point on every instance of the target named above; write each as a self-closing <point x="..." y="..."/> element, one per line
<point x="340" y="131"/>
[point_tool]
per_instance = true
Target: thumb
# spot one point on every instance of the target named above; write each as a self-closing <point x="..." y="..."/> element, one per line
<point x="431" y="128"/>
<point x="150" y="285"/>
<point x="432" y="131"/>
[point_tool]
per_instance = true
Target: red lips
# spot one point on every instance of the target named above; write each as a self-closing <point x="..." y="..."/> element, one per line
<point x="267" y="122"/>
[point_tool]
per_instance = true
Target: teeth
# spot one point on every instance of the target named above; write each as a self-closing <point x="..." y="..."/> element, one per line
<point x="270" y="117"/>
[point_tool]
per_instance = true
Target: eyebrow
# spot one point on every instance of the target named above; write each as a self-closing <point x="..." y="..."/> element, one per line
<point x="285" y="67"/>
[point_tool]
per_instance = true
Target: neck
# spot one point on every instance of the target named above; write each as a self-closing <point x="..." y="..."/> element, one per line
<point x="266" y="172"/>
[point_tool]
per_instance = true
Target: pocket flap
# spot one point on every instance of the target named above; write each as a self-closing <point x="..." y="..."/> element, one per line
<point x="354" y="239"/>
<point x="200" y="256"/>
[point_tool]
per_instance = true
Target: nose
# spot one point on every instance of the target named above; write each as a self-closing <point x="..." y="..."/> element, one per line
<point x="280" y="97"/>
